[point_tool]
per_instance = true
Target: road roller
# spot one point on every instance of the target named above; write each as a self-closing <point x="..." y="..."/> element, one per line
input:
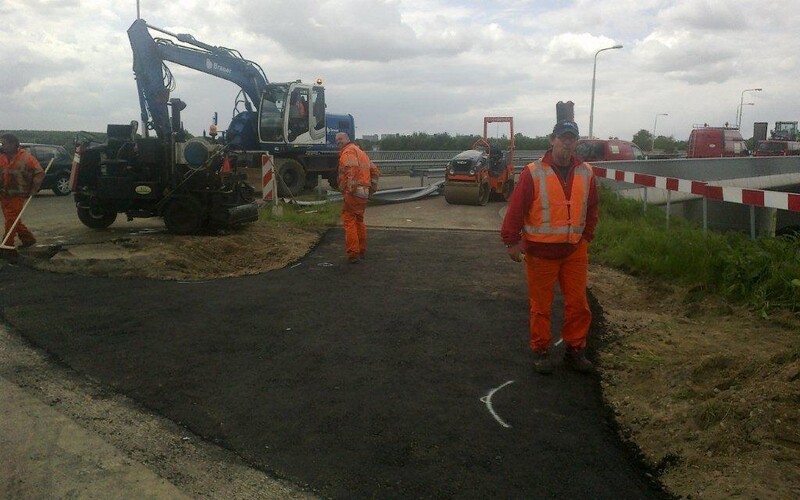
<point x="483" y="173"/>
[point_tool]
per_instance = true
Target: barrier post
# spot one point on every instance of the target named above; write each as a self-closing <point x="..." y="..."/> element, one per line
<point x="268" y="186"/>
<point x="705" y="215"/>
<point x="773" y="222"/>
<point x="644" y="201"/>
<point x="669" y="199"/>
<point x="319" y="186"/>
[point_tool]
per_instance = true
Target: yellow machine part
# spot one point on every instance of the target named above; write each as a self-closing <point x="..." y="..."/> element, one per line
<point x="466" y="193"/>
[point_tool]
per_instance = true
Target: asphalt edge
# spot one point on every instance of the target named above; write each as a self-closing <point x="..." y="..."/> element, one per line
<point x="602" y="336"/>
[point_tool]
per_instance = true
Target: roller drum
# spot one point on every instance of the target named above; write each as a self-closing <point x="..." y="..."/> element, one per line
<point x="466" y="193"/>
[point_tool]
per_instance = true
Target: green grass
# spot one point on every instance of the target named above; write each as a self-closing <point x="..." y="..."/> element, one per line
<point x="324" y="215"/>
<point x="764" y="273"/>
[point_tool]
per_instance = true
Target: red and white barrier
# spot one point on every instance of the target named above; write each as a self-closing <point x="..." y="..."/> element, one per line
<point x="268" y="185"/>
<point x="743" y="196"/>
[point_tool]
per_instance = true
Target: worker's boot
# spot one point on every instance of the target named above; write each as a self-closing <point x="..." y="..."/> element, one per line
<point x="542" y="362"/>
<point x="576" y="359"/>
<point x="28" y="243"/>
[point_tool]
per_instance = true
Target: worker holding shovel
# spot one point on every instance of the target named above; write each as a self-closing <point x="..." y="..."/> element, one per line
<point x="21" y="177"/>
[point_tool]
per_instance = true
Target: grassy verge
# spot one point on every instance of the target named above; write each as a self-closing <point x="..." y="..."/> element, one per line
<point x="323" y="215"/>
<point x="763" y="274"/>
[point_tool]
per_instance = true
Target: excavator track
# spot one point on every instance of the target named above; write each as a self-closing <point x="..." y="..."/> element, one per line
<point x="466" y="193"/>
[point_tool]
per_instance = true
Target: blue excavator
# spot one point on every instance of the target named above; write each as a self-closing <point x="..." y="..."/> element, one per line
<point x="288" y="120"/>
<point x="197" y="182"/>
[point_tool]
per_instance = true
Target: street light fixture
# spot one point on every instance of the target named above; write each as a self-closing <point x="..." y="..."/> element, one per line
<point x="653" y="138"/>
<point x="594" y="73"/>
<point x="741" y="103"/>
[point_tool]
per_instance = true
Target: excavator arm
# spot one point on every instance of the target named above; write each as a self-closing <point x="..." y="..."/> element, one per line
<point x="154" y="79"/>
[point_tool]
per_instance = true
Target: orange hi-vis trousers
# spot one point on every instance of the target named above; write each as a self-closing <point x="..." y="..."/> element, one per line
<point x="571" y="274"/>
<point x="355" y="231"/>
<point x="12" y="206"/>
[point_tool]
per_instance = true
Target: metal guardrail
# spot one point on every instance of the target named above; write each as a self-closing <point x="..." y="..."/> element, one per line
<point x="726" y="174"/>
<point x="430" y="163"/>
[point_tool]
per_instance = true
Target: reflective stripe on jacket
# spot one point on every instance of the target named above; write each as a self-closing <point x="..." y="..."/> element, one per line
<point x="21" y="173"/>
<point x="554" y="217"/>
<point x="355" y="175"/>
<point x="374" y="175"/>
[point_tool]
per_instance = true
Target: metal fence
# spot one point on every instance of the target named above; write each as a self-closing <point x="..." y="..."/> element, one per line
<point x="722" y="193"/>
<point x="430" y="163"/>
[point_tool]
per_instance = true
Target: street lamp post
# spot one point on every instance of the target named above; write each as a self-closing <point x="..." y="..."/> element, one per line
<point x="653" y="138"/>
<point x="741" y="110"/>
<point x="741" y="103"/>
<point x="594" y="73"/>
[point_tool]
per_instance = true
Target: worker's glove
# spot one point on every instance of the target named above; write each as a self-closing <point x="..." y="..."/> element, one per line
<point x="515" y="252"/>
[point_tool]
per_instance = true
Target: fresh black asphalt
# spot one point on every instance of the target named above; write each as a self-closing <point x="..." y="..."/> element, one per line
<point x="354" y="381"/>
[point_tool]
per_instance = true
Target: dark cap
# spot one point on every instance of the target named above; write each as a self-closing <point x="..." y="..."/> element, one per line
<point x="566" y="127"/>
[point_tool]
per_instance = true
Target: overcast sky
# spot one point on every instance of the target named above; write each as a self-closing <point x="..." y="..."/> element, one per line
<point x="421" y="65"/>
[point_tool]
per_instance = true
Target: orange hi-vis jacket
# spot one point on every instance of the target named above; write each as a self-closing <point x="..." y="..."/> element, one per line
<point x="553" y="217"/>
<point x="358" y="176"/>
<point x="21" y="174"/>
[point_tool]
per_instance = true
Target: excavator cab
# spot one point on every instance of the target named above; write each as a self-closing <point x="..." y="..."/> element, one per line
<point x="292" y="113"/>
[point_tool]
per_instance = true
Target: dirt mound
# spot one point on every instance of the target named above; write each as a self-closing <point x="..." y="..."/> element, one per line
<point x="252" y="249"/>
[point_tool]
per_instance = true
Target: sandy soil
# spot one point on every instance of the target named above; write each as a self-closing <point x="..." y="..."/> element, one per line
<point x="257" y="248"/>
<point x="708" y="392"/>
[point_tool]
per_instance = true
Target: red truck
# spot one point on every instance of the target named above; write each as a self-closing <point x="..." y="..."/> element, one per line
<point x="715" y="142"/>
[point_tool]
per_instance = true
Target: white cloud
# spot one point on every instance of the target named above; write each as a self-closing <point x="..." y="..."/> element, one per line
<point x="707" y="15"/>
<point x="419" y="65"/>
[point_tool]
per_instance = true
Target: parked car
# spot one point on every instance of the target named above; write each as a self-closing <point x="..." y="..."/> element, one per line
<point x="595" y="150"/>
<point x="57" y="177"/>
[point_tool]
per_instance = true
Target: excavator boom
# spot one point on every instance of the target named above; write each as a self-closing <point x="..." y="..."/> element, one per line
<point x="154" y="80"/>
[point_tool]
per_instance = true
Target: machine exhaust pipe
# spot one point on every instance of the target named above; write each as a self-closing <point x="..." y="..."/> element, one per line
<point x="565" y="111"/>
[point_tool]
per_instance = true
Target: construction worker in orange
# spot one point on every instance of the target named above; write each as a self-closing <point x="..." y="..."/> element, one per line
<point x="22" y="176"/>
<point x="358" y="178"/>
<point x="549" y="222"/>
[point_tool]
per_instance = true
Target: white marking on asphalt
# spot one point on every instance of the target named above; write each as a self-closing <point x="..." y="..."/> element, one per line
<point x="298" y="264"/>
<point x="559" y="341"/>
<point x="487" y="400"/>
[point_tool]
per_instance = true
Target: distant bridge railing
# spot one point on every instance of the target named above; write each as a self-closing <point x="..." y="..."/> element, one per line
<point x="734" y="193"/>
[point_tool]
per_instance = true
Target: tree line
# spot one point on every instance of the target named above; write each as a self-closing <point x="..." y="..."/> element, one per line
<point x="418" y="141"/>
<point x="64" y="138"/>
<point x="421" y="141"/>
